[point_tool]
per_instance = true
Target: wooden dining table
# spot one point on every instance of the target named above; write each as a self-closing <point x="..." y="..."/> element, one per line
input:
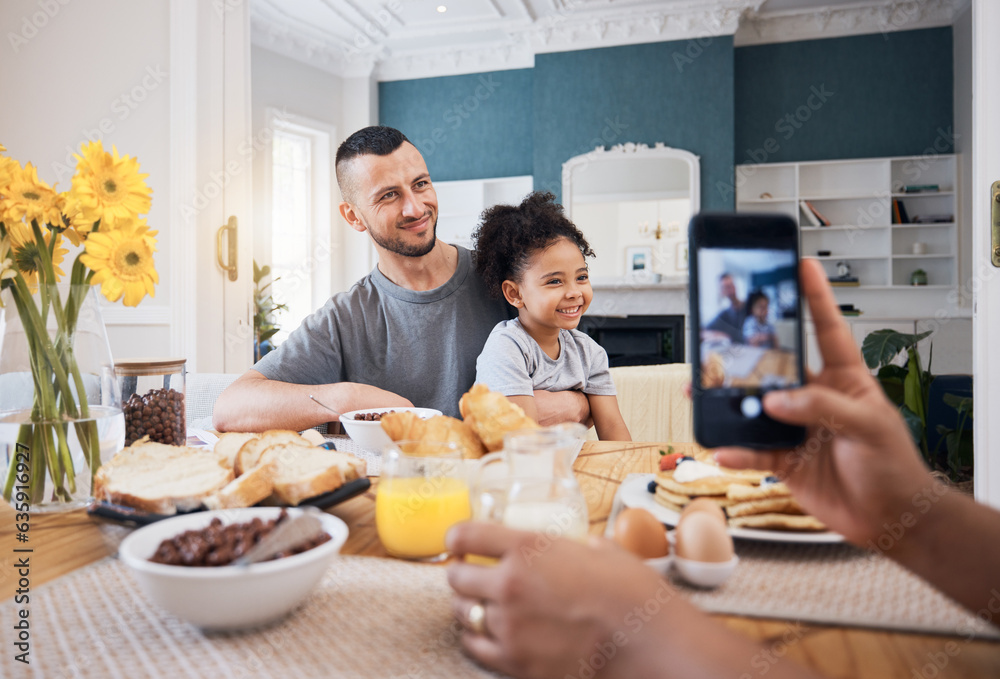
<point x="65" y="542"/>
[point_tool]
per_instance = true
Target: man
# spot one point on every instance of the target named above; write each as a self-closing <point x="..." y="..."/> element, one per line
<point x="407" y="334"/>
<point x="730" y="320"/>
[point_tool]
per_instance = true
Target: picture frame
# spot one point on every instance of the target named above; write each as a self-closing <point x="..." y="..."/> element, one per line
<point x="639" y="261"/>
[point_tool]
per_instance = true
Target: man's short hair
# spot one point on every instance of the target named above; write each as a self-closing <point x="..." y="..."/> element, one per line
<point x="376" y="140"/>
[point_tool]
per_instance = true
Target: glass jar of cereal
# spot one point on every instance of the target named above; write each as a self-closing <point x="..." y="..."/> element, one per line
<point x="153" y="399"/>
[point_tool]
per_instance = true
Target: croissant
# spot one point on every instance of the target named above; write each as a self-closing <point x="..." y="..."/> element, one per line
<point x="405" y="426"/>
<point x="492" y="414"/>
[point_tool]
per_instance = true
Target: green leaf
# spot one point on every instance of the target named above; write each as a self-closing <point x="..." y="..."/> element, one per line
<point x="891" y="377"/>
<point x="963" y="404"/>
<point x="915" y="425"/>
<point x="882" y="346"/>
<point x="913" y="388"/>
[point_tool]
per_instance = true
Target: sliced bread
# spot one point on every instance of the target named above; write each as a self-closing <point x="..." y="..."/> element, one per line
<point x="229" y="444"/>
<point x="250" y="452"/>
<point x="301" y="473"/>
<point x="161" y="479"/>
<point x="245" y="491"/>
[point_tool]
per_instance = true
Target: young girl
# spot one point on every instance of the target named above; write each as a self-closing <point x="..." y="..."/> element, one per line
<point x="533" y="256"/>
<point x="756" y="330"/>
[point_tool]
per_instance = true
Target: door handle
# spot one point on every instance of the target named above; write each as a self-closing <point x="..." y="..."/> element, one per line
<point x="229" y="265"/>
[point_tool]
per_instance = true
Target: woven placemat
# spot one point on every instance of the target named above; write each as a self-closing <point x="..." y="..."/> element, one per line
<point x="369" y="618"/>
<point x="831" y="584"/>
<point x="373" y="458"/>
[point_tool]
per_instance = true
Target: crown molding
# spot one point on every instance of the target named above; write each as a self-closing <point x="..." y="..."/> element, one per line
<point x="884" y="16"/>
<point x="562" y="32"/>
<point x="308" y="47"/>
<point x="511" y="42"/>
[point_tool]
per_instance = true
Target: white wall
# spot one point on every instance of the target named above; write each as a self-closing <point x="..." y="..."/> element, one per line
<point x="962" y="56"/>
<point x="291" y="89"/>
<point x="346" y="104"/>
<point x="95" y="69"/>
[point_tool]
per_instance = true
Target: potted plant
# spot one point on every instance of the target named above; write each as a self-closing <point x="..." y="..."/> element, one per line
<point x="908" y="386"/>
<point x="264" y="325"/>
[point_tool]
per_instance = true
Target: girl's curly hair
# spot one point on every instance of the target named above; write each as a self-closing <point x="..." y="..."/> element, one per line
<point x="509" y="235"/>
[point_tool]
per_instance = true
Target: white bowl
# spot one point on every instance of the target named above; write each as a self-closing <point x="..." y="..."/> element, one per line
<point x="228" y="597"/>
<point x="660" y="564"/>
<point x="704" y="574"/>
<point x="369" y="434"/>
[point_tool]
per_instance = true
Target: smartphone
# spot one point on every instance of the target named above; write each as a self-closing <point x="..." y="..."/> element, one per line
<point x="746" y="327"/>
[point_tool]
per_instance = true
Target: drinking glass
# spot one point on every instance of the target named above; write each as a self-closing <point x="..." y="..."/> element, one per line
<point x="553" y="506"/>
<point x="546" y="452"/>
<point x="422" y="492"/>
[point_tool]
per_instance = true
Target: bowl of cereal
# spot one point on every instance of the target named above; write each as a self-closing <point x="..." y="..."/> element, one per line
<point x="182" y="566"/>
<point x="365" y="426"/>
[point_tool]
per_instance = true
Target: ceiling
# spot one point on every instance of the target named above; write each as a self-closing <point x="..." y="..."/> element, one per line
<point x="402" y="39"/>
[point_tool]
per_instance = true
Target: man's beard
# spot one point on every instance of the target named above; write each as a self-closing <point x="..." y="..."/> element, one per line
<point x="405" y="249"/>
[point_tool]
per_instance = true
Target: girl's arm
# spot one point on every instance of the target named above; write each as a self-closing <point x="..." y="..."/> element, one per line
<point x="608" y="418"/>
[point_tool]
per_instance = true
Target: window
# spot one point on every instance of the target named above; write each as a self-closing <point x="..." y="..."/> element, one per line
<point x="300" y="224"/>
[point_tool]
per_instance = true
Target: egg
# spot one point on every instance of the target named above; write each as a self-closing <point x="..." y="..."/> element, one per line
<point x="641" y="533"/>
<point x="701" y="537"/>
<point x="705" y="506"/>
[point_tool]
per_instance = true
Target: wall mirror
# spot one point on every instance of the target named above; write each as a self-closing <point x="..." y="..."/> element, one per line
<point x="633" y="203"/>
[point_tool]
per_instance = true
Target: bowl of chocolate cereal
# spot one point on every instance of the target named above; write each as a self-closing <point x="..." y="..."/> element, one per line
<point x="183" y="565"/>
<point x="365" y="426"/>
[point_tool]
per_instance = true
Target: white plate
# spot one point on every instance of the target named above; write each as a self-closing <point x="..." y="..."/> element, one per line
<point x="634" y="494"/>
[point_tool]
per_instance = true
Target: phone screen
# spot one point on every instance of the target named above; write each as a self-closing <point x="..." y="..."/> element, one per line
<point x="747" y="321"/>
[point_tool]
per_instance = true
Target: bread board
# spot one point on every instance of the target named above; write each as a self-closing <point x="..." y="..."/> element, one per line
<point x="137" y="517"/>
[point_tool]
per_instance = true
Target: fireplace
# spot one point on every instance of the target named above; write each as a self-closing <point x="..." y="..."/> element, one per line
<point x="638" y="340"/>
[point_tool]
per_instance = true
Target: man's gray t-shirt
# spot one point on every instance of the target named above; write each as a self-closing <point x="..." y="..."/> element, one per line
<point x="513" y="363"/>
<point x="420" y="345"/>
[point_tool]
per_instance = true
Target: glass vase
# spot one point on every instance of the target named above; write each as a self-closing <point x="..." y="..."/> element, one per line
<point x="60" y="405"/>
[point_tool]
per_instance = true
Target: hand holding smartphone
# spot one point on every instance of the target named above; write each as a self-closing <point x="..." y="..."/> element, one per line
<point x="746" y="326"/>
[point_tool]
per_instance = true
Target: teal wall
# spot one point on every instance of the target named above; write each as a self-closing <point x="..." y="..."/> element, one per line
<point x="679" y="93"/>
<point x="466" y="126"/>
<point x="864" y="96"/>
<point x="857" y="97"/>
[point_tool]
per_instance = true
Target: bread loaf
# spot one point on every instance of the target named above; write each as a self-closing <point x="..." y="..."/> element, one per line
<point x="161" y="479"/>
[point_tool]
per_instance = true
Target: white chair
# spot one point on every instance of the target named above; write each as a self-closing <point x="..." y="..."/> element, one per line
<point x="201" y="390"/>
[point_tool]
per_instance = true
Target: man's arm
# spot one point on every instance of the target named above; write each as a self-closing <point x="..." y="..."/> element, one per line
<point x="255" y="403"/>
<point x="556" y="407"/>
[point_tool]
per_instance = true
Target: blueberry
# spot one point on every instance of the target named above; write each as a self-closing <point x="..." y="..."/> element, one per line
<point x="686" y="458"/>
<point x="768" y="480"/>
<point x="651" y="487"/>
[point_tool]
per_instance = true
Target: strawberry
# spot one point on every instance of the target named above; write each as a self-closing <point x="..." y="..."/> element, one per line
<point x="668" y="462"/>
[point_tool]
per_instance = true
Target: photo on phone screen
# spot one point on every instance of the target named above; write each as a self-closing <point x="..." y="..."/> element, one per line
<point x="747" y="327"/>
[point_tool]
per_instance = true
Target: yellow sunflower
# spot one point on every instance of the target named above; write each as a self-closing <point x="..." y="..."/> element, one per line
<point x="76" y="223"/>
<point x="122" y="261"/>
<point x="109" y="188"/>
<point x="27" y="197"/>
<point x="25" y="253"/>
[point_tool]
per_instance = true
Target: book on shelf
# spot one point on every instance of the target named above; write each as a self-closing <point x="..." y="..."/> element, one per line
<point x="808" y="214"/>
<point x="904" y="218"/>
<point x="819" y="215"/>
<point x="845" y="282"/>
<point x="921" y="188"/>
<point x="934" y="219"/>
<point x="895" y="212"/>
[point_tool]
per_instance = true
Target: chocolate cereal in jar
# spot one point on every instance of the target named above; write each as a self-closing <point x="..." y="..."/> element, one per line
<point x="153" y="399"/>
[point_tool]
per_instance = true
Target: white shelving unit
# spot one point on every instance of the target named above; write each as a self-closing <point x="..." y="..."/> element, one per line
<point x="857" y="196"/>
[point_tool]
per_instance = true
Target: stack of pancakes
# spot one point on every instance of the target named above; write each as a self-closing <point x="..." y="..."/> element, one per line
<point x="750" y="498"/>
